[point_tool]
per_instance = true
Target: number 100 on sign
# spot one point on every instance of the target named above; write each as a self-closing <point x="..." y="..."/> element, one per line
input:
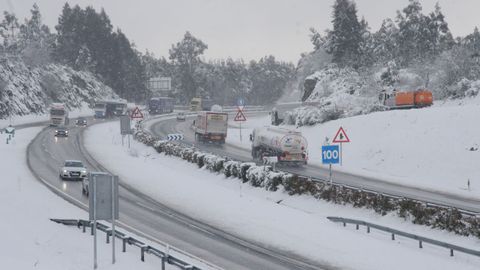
<point x="330" y="154"/>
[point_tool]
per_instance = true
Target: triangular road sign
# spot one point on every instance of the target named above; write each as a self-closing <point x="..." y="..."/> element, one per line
<point x="136" y="114"/>
<point x="240" y="117"/>
<point x="341" y="136"/>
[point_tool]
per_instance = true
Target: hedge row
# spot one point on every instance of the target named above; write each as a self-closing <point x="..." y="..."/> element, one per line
<point x="449" y="219"/>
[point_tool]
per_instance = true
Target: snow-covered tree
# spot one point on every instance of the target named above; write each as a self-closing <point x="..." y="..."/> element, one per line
<point x="185" y="56"/>
<point x="9" y="28"/>
<point x="384" y="47"/>
<point x="35" y="40"/>
<point x="346" y="35"/>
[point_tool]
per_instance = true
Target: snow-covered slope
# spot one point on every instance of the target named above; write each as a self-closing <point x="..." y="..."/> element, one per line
<point x="25" y="90"/>
<point x="435" y="148"/>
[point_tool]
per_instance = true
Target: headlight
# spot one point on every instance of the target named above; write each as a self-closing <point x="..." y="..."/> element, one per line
<point x="56" y="131"/>
<point x="65" y="171"/>
<point x="84" y="171"/>
<point x="66" y="131"/>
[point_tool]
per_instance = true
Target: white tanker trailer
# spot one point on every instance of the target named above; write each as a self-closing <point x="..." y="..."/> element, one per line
<point x="289" y="146"/>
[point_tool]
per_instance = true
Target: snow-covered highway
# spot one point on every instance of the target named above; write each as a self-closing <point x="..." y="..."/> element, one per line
<point x="149" y="218"/>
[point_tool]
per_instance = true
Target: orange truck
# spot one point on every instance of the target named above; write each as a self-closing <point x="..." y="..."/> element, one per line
<point x="407" y="99"/>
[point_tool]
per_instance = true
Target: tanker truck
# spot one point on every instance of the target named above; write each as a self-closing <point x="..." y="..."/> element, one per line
<point x="289" y="146"/>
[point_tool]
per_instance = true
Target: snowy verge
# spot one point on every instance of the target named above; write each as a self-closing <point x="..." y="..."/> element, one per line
<point x="293" y="223"/>
<point x="30" y="239"/>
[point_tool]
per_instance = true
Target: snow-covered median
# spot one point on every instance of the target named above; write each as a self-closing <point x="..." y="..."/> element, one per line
<point x="293" y="223"/>
<point x="29" y="239"/>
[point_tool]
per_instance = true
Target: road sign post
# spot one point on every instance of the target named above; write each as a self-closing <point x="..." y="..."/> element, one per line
<point x="240" y="117"/>
<point x="136" y="114"/>
<point x="330" y="155"/>
<point x="103" y="205"/>
<point x="341" y="137"/>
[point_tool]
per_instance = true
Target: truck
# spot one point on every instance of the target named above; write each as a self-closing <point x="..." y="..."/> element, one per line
<point x="200" y="104"/>
<point x="109" y="108"/>
<point x="159" y="105"/>
<point x="288" y="146"/>
<point x="406" y="99"/>
<point x="211" y="126"/>
<point x="58" y="115"/>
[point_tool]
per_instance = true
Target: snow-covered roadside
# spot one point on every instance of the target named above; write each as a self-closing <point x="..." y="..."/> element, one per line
<point x="84" y="110"/>
<point x="296" y="224"/>
<point x="436" y="148"/>
<point x="29" y="239"/>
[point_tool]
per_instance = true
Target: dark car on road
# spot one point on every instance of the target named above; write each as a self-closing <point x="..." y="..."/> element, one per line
<point x="61" y="132"/>
<point x="81" y="122"/>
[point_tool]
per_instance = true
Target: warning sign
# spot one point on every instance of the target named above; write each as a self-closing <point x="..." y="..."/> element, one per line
<point x="240" y="117"/>
<point x="341" y="136"/>
<point x="136" y="114"/>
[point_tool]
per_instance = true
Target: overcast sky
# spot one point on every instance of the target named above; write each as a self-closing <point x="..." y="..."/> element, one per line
<point x="247" y="29"/>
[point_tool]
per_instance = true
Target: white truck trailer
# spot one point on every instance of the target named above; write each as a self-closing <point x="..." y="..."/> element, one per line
<point x="289" y="146"/>
<point x="58" y="114"/>
<point x="211" y="127"/>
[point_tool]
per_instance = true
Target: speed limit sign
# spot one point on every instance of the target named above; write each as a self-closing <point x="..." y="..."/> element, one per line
<point x="330" y="154"/>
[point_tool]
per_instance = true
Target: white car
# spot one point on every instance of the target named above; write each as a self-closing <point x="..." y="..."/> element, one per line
<point x="181" y="116"/>
<point x="73" y="169"/>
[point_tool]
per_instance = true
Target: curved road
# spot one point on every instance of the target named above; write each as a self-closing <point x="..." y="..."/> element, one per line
<point x="151" y="219"/>
<point x="163" y="127"/>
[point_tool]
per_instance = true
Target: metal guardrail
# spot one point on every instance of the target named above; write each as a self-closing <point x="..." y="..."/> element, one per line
<point x="225" y="108"/>
<point x="392" y="196"/>
<point x="144" y="248"/>
<point x="394" y="232"/>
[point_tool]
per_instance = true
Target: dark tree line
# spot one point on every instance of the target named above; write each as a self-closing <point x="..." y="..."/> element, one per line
<point x="225" y="80"/>
<point x="86" y="40"/>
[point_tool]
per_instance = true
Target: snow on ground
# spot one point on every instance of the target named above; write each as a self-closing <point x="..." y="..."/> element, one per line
<point x="84" y="110"/>
<point x="297" y="223"/>
<point x="29" y="239"/>
<point x="436" y="148"/>
<point x="233" y="133"/>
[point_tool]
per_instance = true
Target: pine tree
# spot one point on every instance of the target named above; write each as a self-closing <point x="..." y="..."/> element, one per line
<point x="440" y="37"/>
<point x="9" y="28"/>
<point x="384" y="47"/>
<point x="345" y="38"/>
<point x="35" y="40"/>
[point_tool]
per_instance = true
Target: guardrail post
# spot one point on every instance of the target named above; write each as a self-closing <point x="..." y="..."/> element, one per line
<point x="420" y="244"/>
<point x="83" y="227"/>
<point x="344" y="224"/>
<point x="142" y="253"/>
<point x="358" y="226"/>
<point x="393" y="236"/>
<point x="164" y="259"/>
<point x="124" y="244"/>
<point x="91" y="229"/>
<point x="107" y="233"/>
<point x="451" y="252"/>
<point x="368" y="229"/>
